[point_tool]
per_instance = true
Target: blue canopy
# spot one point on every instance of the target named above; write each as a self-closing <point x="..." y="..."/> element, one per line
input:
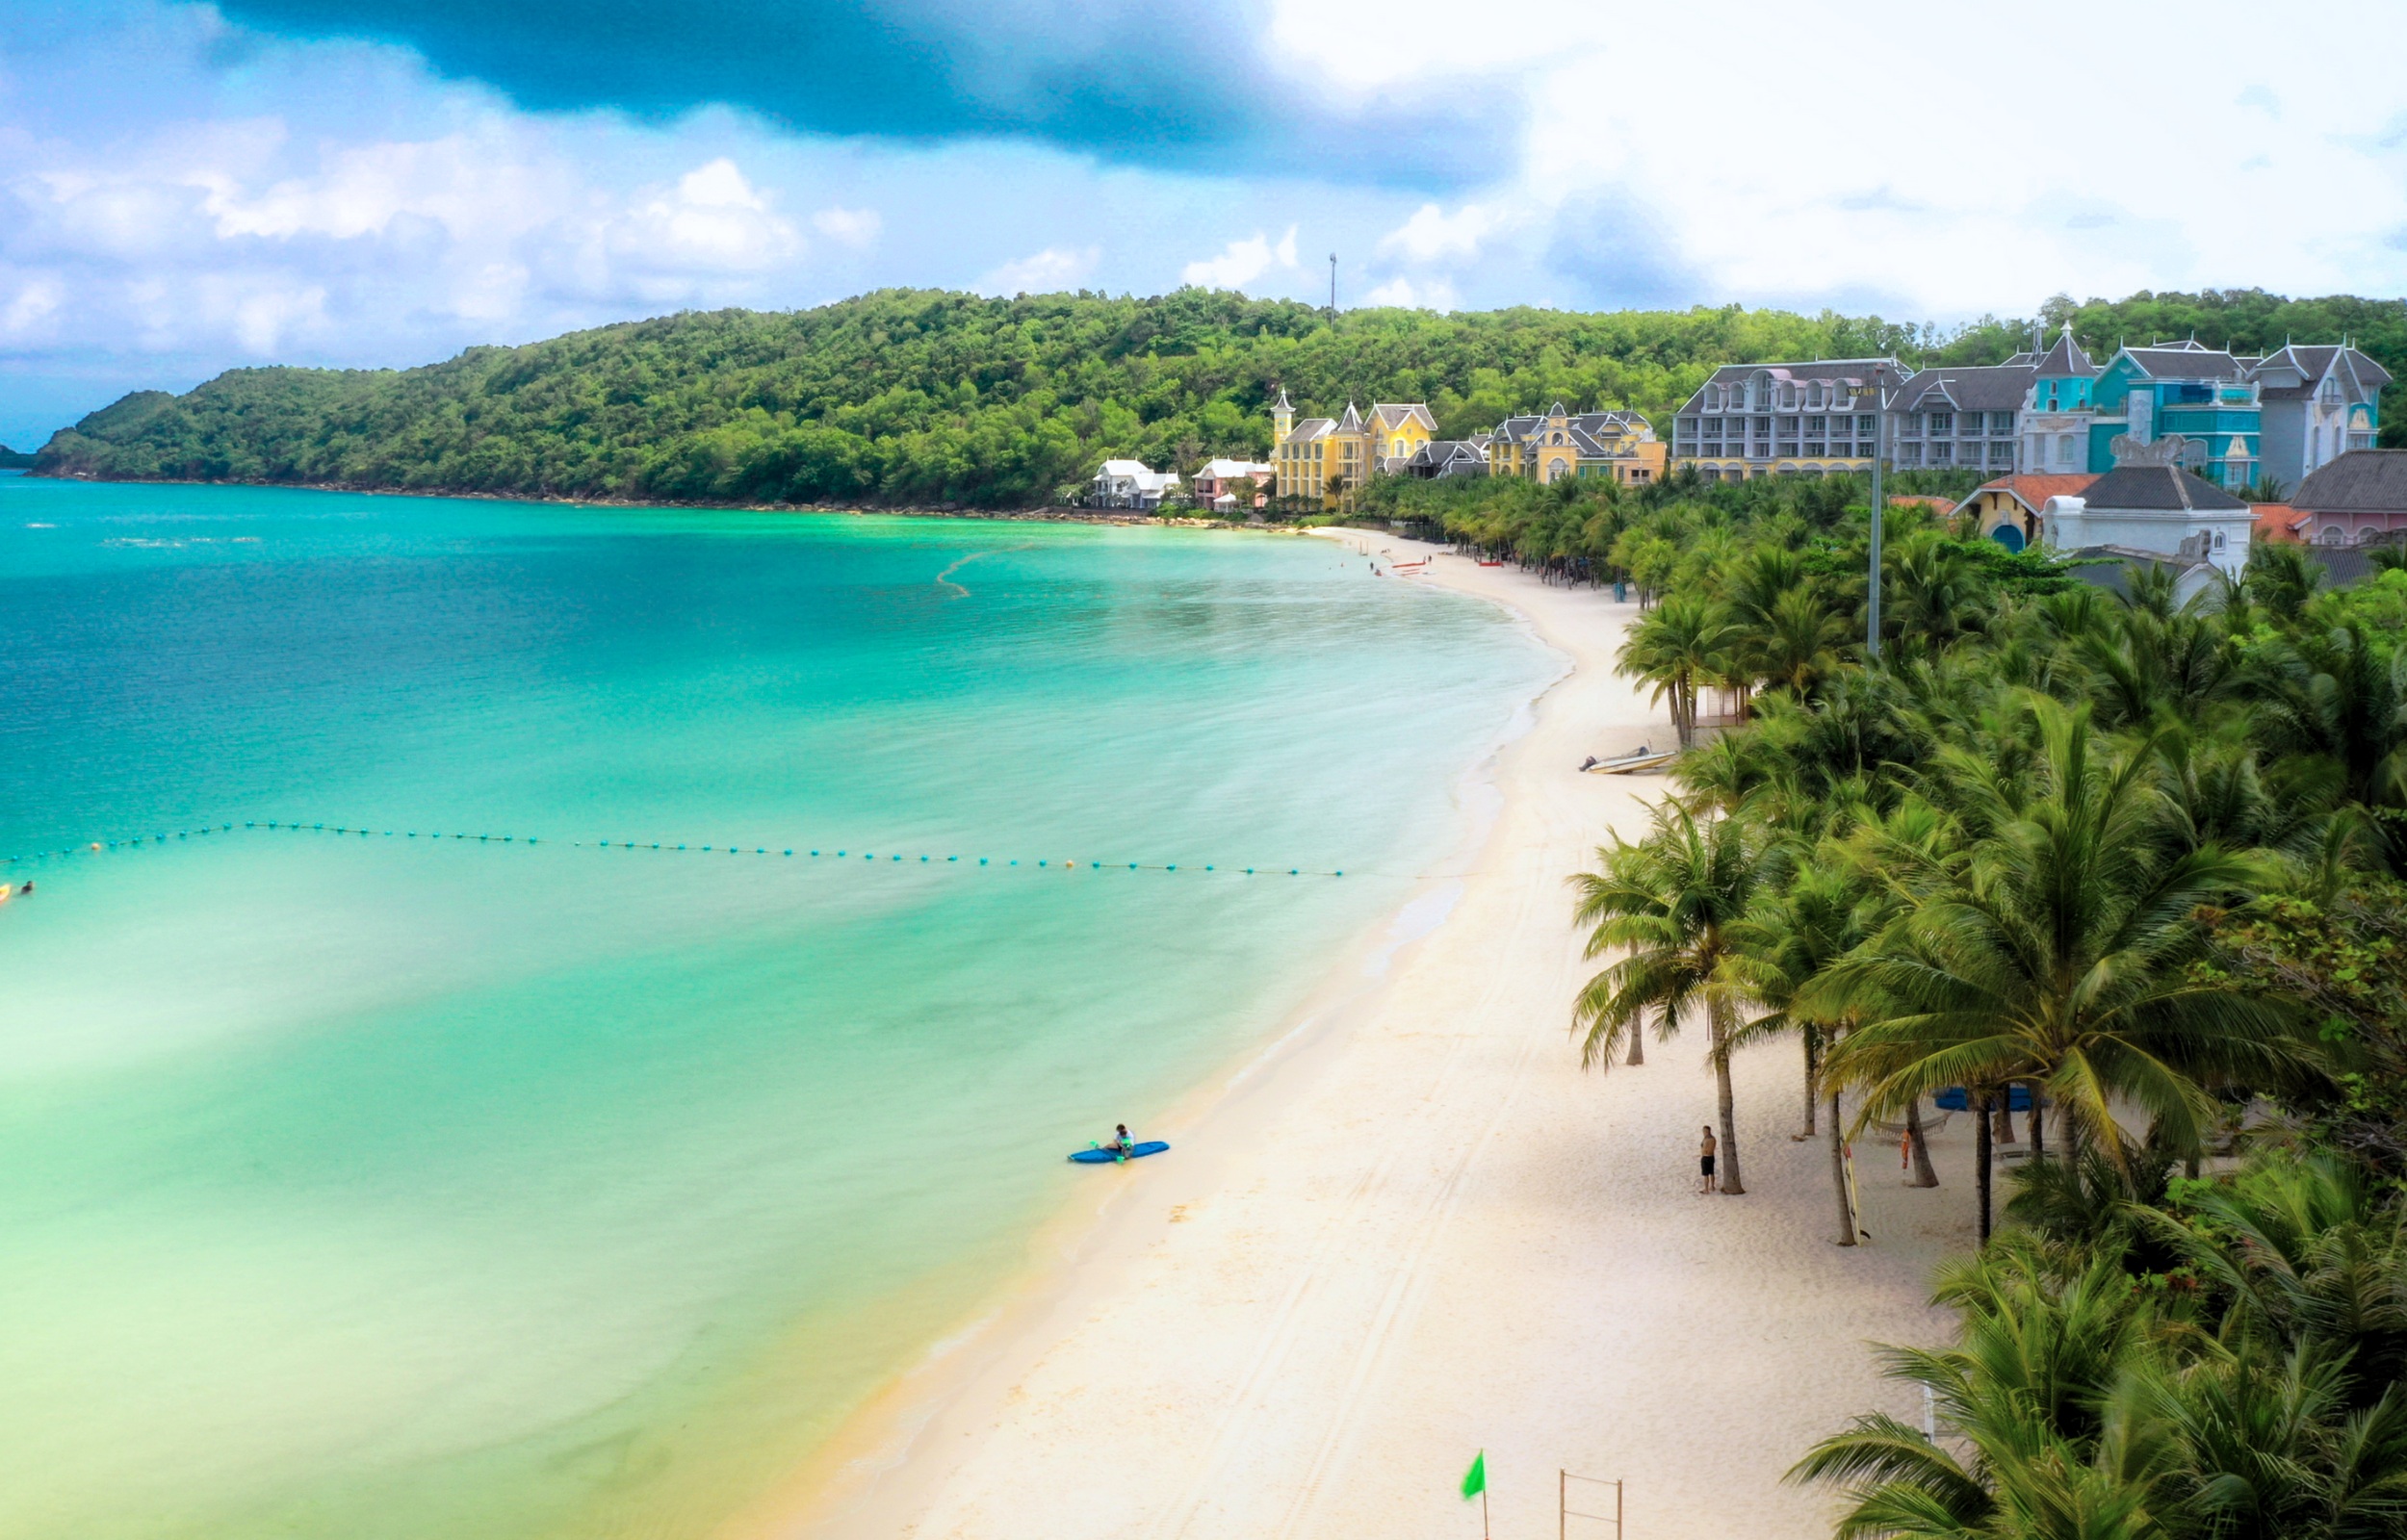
<point x="1956" y="1099"/>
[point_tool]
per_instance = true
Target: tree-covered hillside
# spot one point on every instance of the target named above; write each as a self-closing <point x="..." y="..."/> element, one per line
<point x="919" y="398"/>
<point x="907" y="396"/>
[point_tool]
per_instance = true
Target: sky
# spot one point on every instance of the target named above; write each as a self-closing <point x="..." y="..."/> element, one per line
<point x="189" y="187"/>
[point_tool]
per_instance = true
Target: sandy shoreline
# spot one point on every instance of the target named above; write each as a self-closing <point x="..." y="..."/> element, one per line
<point x="1413" y="1229"/>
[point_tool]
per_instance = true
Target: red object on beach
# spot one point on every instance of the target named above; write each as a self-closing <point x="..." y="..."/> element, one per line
<point x="1491" y="563"/>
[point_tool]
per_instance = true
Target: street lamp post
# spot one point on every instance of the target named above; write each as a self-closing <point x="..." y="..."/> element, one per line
<point x="1880" y="456"/>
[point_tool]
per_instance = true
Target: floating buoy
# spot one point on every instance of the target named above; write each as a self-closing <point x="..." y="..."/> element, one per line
<point x="982" y="859"/>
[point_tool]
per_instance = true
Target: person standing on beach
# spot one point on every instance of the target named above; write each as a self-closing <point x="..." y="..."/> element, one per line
<point x="1705" y="1164"/>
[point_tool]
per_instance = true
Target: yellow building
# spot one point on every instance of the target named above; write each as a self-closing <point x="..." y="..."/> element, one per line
<point x="1548" y="446"/>
<point x="1325" y="459"/>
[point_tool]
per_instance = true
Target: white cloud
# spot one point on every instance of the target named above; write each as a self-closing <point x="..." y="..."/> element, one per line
<point x="1241" y="262"/>
<point x="1050" y="271"/>
<point x="858" y="229"/>
<point x="712" y="220"/>
<point x="1433" y="236"/>
<point x="1424" y="293"/>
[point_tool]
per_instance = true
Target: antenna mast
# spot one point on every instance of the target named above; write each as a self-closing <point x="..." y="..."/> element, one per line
<point x="1332" y="282"/>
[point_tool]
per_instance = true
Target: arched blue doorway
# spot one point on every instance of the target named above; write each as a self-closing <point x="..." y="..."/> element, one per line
<point x="2006" y="535"/>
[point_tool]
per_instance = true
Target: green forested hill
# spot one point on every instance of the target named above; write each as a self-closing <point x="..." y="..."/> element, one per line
<point x="907" y="396"/>
<point x="926" y="398"/>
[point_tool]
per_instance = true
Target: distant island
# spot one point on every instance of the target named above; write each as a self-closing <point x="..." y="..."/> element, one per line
<point x="933" y="399"/>
<point x="14" y="459"/>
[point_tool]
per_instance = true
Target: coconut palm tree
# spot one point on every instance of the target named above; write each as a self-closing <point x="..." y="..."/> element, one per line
<point x="1668" y="903"/>
<point x="2053" y="950"/>
<point x="1679" y="647"/>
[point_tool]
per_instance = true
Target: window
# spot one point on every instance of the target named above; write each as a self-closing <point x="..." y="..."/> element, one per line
<point x="2001" y="453"/>
<point x="1788" y="401"/>
<point x="2064" y="455"/>
<point x="1908" y="455"/>
<point x="1998" y="423"/>
<point x="1942" y="424"/>
<point x="1940" y="454"/>
<point x="1712" y="430"/>
<point x="2218" y="545"/>
<point x="1912" y="428"/>
<point x="1866" y="428"/>
<point x="1788" y="448"/>
<point x="1763" y="428"/>
<point x="1815" y="426"/>
<point x="1788" y="427"/>
<point x="1816" y="450"/>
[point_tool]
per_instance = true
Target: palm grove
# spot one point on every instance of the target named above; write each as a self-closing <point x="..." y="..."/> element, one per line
<point x="2131" y="862"/>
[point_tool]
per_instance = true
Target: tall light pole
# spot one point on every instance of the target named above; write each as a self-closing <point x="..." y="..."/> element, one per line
<point x="1880" y="455"/>
<point x="1333" y="283"/>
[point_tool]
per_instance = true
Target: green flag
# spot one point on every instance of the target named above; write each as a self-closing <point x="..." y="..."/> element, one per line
<point x="1475" y="1479"/>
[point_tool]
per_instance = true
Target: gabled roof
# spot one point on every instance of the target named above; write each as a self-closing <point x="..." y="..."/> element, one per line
<point x="1351" y="422"/>
<point x="2359" y="481"/>
<point x="1395" y="414"/>
<point x="1314" y="428"/>
<point x="2158" y="489"/>
<point x="1224" y="470"/>
<point x="1138" y="467"/>
<point x="2187" y="361"/>
<point x="1994" y="388"/>
<point x="2065" y="359"/>
<point x="1860" y="373"/>
<point x="2032" y="492"/>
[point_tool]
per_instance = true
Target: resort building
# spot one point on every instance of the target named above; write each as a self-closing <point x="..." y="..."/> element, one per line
<point x="2201" y="396"/>
<point x="2356" y="499"/>
<point x="1959" y="418"/>
<point x="2151" y="504"/>
<point x="2318" y="403"/>
<point x="1214" y="485"/>
<point x="2007" y="510"/>
<point x="1441" y="458"/>
<point x="2056" y="415"/>
<point x="1324" y="458"/>
<point x="1128" y="484"/>
<point x="1753" y="419"/>
<point x="1548" y="446"/>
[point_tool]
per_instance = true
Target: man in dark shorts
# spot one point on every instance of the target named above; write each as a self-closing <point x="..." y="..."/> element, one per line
<point x="1705" y="1164"/>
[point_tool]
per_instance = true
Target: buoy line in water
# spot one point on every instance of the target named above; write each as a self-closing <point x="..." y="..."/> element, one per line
<point x="101" y="847"/>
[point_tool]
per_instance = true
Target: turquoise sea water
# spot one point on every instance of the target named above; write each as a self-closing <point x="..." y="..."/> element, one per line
<point x="376" y="1185"/>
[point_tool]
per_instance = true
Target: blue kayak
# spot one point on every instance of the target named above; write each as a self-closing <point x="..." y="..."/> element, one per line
<point x="1104" y="1156"/>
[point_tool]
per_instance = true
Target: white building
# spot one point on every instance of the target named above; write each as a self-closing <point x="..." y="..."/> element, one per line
<point x="2149" y="504"/>
<point x="1128" y="484"/>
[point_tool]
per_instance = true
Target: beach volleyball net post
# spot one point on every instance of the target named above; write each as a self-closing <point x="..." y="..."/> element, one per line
<point x="1565" y="1513"/>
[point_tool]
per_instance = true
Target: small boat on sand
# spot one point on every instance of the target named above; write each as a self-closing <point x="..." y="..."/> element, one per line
<point x="1642" y="758"/>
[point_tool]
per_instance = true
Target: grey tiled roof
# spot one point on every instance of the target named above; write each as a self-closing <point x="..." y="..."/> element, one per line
<point x="2359" y="481"/>
<point x="1867" y="370"/>
<point x="1996" y="387"/>
<point x="2066" y="360"/>
<point x="2186" y="363"/>
<point x="2158" y="488"/>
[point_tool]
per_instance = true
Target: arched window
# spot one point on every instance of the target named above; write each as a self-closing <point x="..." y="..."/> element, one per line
<point x="2331" y="536"/>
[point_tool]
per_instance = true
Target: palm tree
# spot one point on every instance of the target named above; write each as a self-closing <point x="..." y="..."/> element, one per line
<point x="2053" y="951"/>
<point x="1679" y="647"/>
<point x="1669" y="902"/>
<point x="1799" y="644"/>
<point x="1792" y="932"/>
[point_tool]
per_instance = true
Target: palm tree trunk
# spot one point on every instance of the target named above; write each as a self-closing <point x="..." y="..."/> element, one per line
<point x="2038" y="1143"/>
<point x="1684" y="713"/>
<point x="1838" y="1176"/>
<point x="1728" y="1165"/>
<point x="1924" y="1175"/>
<point x="1638" y="1043"/>
<point x="2006" y="1115"/>
<point x="1813" y="1076"/>
<point x="1981" y="1150"/>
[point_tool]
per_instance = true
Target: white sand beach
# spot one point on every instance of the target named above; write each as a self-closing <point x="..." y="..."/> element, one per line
<point x="1415" y="1230"/>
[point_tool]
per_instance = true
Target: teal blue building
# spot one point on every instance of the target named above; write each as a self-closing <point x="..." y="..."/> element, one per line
<point x="2202" y="393"/>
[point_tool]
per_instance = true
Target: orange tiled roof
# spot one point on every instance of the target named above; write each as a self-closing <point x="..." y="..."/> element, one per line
<point x="2277" y="521"/>
<point x="2034" y="491"/>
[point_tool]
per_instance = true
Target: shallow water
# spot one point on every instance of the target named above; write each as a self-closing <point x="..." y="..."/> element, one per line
<point x="372" y="1184"/>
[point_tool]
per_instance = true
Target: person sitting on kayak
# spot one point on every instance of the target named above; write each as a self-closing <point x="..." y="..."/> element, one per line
<point x="1122" y="1144"/>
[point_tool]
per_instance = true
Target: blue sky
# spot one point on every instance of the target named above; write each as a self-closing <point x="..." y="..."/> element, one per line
<point x="189" y="187"/>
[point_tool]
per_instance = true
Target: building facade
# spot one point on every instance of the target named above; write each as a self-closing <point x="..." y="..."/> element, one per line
<point x="1960" y="419"/>
<point x="2356" y="500"/>
<point x="1128" y="484"/>
<point x="2151" y="503"/>
<point x="2056" y="415"/>
<point x="1442" y="459"/>
<point x="1754" y="420"/>
<point x="1215" y="484"/>
<point x="1323" y="458"/>
<point x="2318" y="403"/>
<point x="1549" y="446"/>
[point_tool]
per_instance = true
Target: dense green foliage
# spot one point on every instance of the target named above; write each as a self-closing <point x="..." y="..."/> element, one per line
<point x="926" y="399"/>
<point x="2142" y="858"/>
<point x="14" y="459"/>
<point x="909" y="397"/>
